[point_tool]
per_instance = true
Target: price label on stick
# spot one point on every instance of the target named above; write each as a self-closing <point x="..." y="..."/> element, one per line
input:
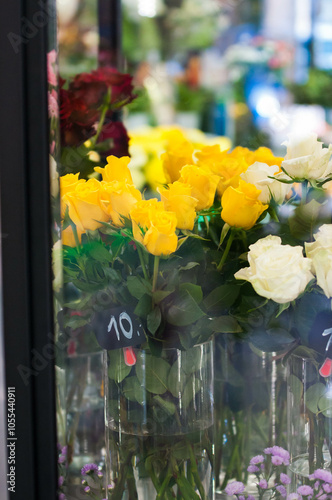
<point x="117" y="328"/>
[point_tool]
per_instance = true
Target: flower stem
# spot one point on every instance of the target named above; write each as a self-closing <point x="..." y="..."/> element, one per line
<point x="141" y="258"/>
<point x="226" y="251"/>
<point x="75" y="233"/>
<point x="155" y="272"/>
<point x="102" y="118"/>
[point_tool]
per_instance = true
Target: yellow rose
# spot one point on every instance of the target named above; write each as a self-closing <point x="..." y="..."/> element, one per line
<point x="203" y="184"/>
<point x="68" y="237"/>
<point x="140" y="216"/>
<point x="160" y="238"/>
<point x="116" y="170"/>
<point x="118" y="199"/>
<point x="240" y="206"/>
<point x="178" y="199"/>
<point x="265" y="155"/>
<point x="223" y="164"/>
<point x="68" y="183"/>
<point x="178" y="155"/>
<point x="85" y="206"/>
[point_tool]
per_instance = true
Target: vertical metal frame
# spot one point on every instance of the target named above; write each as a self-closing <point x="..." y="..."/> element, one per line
<point x="26" y="243"/>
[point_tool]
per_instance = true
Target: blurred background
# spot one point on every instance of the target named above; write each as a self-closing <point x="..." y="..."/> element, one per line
<point x="251" y="70"/>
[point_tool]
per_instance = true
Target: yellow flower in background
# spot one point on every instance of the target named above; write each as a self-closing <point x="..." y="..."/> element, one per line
<point x="241" y="206"/>
<point x="147" y="144"/>
<point x="265" y="155"/>
<point x="68" y="237"/>
<point x="140" y="216"/>
<point x="178" y="199"/>
<point x="85" y="207"/>
<point x="203" y="184"/>
<point x="118" y="198"/>
<point x="178" y="155"/>
<point x="223" y="164"/>
<point x="262" y="155"/>
<point x="116" y="170"/>
<point x="160" y="238"/>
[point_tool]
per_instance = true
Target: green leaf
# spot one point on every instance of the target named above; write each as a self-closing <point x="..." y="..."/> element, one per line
<point x="282" y="308"/>
<point x="138" y="286"/>
<point x="99" y="252"/>
<point x="154" y="320"/>
<point x="176" y="379"/>
<point x="296" y="388"/>
<point x="117" y="369"/>
<point x="185" y="311"/>
<point x="133" y="390"/>
<point x="163" y="408"/>
<point x="191" y="388"/>
<point x="143" y="307"/>
<point x="190" y="265"/>
<point x="194" y="290"/>
<point x="273" y="339"/>
<point x="152" y="372"/>
<point x="75" y="322"/>
<point x="191" y="360"/>
<point x="160" y="295"/>
<point x="225" y="324"/>
<point x="222" y="297"/>
<point x="313" y="395"/>
<point x="325" y="406"/>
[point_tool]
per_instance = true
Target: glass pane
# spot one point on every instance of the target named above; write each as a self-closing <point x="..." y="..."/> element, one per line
<point x="195" y="181"/>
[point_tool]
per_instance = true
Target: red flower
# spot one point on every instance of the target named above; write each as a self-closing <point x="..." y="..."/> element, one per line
<point x="80" y="105"/>
<point x="119" y="140"/>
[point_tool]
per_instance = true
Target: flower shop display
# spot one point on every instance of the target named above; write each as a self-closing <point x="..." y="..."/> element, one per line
<point x="236" y="244"/>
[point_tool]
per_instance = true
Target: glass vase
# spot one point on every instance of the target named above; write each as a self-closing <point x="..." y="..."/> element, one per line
<point x="309" y="420"/>
<point x="159" y="422"/>
<point x="250" y="409"/>
<point x="85" y="412"/>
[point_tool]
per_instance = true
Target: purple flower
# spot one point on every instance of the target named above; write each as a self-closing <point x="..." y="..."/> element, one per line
<point x="278" y="452"/>
<point x="276" y="460"/>
<point x="100" y="475"/>
<point x="60" y="481"/>
<point x="285" y="479"/>
<point x="258" y="459"/>
<point x="322" y="474"/>
<point x="250" y="497"/>
<point x="62" y="496"/>
<point x="234" y="488"/>
<point x="263" y="484"/>
<point x="61" y="459"/>
<point x="89" y="468"/>
<point x="293" y="496"/>
<point x="305" y="490"/>
<point x="282" y="490"/>
<point x="87" y="489"/>
<point x="241" y="497"/>
<point x="262" y="466"/>
<point x="64" y="450"/>
<point x="252" y="468"/>
<point x="327" y="488"/>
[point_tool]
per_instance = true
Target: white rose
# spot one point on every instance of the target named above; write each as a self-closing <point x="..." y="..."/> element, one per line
<point x="277" y="272"/>
<point x="259" y="173"/>
<point x="320" y="252"/>
<point x="306" y="158"/>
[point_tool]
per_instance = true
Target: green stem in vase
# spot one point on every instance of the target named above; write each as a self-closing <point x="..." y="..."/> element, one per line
<point x="194" y="470"/>
<point x="131" y="483"/>
<point x="311" y="443"/>
<point x="165" y="484"/>
<point x="155" y="272"/>
<point x="141" y="258"/>
<point x="226" y="251"/>
<point x="185" y="487"/>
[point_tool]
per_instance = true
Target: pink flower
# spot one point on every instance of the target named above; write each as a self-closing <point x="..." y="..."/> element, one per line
<point x="234" y="488"/>
<point x="51" y="59"/>
<point x="263" y="484"/>
<point x="285" y="479"/>
<point x="305" y="490"/>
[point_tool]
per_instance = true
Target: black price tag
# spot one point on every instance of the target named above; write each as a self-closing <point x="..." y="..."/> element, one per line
<point x="117" y="328"/>
<point x="320" y="336"/>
